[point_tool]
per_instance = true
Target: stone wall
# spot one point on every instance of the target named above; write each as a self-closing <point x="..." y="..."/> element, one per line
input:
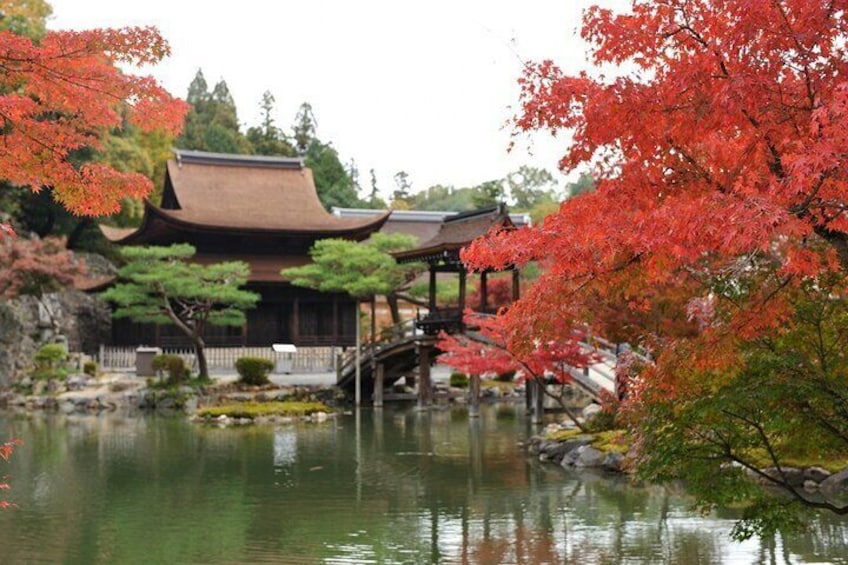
<point x="81" y="320"/>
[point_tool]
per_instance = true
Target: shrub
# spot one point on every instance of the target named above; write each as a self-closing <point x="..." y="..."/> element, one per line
<point x="459" y="380"/>
<point x="173" y="365"/>
<point x="90" y="368"/>
<point x="507" y="377"/>
<point x="254" y="370"/>
<point x="50" y="362"/>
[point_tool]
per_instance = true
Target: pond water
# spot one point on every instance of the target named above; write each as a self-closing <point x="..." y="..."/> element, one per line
<point x="390" y="486"/>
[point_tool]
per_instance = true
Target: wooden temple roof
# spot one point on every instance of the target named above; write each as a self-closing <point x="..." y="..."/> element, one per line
<point x="240" y="194"/>
<point x="456" y="232"/>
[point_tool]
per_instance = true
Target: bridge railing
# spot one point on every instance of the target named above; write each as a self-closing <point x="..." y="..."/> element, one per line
<point x="407" y="329"/>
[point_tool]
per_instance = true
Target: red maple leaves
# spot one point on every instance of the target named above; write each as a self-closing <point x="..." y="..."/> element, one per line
<point x="720" y="161"/>
<point x="62" y="94"/>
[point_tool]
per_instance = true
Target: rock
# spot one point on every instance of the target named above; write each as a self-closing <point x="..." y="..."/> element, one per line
<point x="836" y="484"/>
<point x="588" y="456"/>
<point x="77" y="381"/>
<point x="591" y="411"/>
<point x="793" y="476"/>
<point x="321" y="416"/>
<point x="613" y="461"/>
<point x="811" y="485"/>
<point x="816" y="474"/>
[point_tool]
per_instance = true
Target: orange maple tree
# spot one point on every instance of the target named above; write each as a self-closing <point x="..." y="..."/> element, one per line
<point x="61" y="94"/>
<point x="718" y="145"/>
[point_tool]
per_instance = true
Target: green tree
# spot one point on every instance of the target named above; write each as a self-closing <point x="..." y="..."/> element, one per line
<point x="488" y="193"/>
<point x="212" y="122"/>
<point x="160" y="285"/>
<point x="779" y="404"/>
<point x="268" y="139"/>
<point x="25" y="17"/>
<point x="530" y="186"/>
<point x="360" y="269"/>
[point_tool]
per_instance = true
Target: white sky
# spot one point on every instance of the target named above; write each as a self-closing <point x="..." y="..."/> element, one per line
<point x="425" y="87"/>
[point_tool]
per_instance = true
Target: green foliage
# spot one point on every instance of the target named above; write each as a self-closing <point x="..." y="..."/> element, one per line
<point x="161" y="285"/>
<point x="507" y="377"/>
<point x="212" y="122"/>
<point x="90" y="368"/>
<point x="459" y="380"/>
<point x="359" y="269"/>
<point x="27" y="18"/>
<point x="254" y="370"/>
<point x="779" y="404"/>
<point x="173" y="365"/>
<point x="257" y="409"/>
<point x="50" y="361"/>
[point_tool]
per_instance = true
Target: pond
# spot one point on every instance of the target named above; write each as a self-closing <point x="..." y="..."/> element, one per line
<point x="390" y="486"/>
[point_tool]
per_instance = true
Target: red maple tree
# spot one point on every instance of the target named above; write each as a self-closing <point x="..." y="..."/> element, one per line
<point x="717" y="147"/>
<point x="61" y="94"/>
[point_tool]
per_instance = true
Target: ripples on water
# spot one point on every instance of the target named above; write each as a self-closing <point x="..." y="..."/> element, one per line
<point x="386" y="487"/>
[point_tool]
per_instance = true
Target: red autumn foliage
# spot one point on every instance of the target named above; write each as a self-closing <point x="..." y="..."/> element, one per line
<point x="718" y="147"/>
<point x="35" y="267"/>
<point x="6" y="449"/>
<point x="485" y="349"/>
<point x="64" y="93"/>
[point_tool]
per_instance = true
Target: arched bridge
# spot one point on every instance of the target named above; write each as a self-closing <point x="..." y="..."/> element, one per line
<point x="398" y="352"/>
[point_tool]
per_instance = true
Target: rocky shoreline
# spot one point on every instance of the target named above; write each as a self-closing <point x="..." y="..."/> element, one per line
<point x="580" y="451"/>
<point x="81" y="393"/>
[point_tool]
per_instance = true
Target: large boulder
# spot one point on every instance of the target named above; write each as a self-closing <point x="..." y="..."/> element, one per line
<point x="81" y="320"/>
<point x="588" y="456"/>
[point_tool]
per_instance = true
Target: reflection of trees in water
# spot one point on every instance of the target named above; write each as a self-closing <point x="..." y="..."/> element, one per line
<point x="431" y="487"/>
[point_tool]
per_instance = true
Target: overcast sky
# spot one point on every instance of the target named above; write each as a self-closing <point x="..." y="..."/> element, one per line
<point x="424" y="87"/>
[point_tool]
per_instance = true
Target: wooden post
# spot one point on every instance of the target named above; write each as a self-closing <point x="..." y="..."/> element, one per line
<point x="424" y="384"/>
<point x="295" y="321"/>
<point x="516" y="291"/>
<point x="474" y="397"/>
<point x="537" y="409"/>
<point x="335" y="319"/>
<point x="484" y="292"/>
<point x="461" y="296"/>
<point x="378" y="385"/>
<point x="432" y="290"/>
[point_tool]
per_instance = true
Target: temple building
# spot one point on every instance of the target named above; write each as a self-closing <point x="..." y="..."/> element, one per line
<point x="264" y="211"/>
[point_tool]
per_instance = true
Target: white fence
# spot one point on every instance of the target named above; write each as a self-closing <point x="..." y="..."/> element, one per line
<point x="223" y="359"/>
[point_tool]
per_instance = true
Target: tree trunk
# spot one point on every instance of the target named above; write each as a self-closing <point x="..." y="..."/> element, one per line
<point x="200" y="353"/>
<point x="394" y="308"/>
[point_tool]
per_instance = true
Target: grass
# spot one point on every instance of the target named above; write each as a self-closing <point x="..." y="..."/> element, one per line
<point x="258" y="409"/>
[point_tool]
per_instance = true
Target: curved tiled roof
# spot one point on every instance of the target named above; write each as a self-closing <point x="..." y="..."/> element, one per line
<point x="458" y="231"/>
<point x="244" y="193"/>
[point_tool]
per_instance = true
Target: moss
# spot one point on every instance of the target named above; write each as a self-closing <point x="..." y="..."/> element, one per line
<point x="257" y="409"/>
<point x="608" y="441"/>
<point x="832" y="463"/>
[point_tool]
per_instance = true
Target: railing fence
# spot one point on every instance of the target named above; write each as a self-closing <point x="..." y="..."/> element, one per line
<point x="305" y="360"/>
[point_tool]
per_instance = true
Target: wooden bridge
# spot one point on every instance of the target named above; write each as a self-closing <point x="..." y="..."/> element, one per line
<point x="407" y="351"/>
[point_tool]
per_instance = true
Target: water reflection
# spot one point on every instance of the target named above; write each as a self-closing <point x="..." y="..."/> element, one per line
<point x="388" y="486"/>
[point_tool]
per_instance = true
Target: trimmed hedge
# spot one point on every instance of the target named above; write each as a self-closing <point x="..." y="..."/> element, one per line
<point x="254" y="370"/>
<point x="459" y="380"/>
<point x="173" y="365"/>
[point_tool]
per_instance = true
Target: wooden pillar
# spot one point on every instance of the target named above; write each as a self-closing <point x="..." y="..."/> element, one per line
<point x="335" y="319"/>
<point x="432" y="290"/>
<point x="484" y="292"/>
<point x="379" y="378"/>
<point x="474" y="397"/>
<point x="516" y="291"/>
<point x="425" y="388"/>
<point x="461" y="295"/>
<point x="295" y="321"/>
<point x="537" y="399"/>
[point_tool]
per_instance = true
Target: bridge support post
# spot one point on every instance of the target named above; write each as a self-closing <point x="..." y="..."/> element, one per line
<point x="425" y="387"/>
<point x="379" y="377"/>
<point x="474" y="397"/>
<point x="536" y="397"/>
